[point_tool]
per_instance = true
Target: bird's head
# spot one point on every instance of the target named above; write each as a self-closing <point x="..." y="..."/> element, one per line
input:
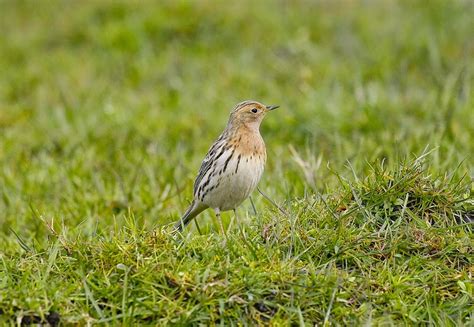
<point x="249" y="113"/>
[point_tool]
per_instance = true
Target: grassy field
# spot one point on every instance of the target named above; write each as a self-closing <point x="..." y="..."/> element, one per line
<point x="107" y="109"/>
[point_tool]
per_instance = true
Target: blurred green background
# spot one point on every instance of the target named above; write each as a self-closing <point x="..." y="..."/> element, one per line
<point x="108" y="107"/>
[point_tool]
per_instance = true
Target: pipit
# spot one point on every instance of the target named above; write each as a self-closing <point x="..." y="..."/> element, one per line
<point x="233" y="165"/>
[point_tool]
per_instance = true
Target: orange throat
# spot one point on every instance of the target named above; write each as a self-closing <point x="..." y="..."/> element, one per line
<point x="249" y="143"/>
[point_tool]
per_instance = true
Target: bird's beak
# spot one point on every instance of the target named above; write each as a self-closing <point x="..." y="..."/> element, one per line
<point x="272" y="107"/>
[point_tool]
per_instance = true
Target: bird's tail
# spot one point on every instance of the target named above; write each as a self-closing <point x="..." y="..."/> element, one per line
<point x="193" y="210"/>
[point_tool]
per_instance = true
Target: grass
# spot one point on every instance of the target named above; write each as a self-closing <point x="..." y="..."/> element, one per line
<point x="107" y="109"/>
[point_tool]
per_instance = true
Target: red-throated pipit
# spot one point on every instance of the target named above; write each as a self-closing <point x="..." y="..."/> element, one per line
<point x="233" y="165"/>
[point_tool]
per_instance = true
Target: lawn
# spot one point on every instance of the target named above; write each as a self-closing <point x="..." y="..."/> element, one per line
<point x="107" y="109"/>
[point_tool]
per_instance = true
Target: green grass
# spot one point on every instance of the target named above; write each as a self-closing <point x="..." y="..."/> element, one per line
<point x="107" y="109"/>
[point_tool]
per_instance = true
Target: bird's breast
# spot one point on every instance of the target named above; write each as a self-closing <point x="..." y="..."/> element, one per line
<point x="239" y="177"/>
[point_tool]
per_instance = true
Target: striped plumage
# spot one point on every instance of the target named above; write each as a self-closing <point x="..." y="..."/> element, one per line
<point x="233" y="165"/>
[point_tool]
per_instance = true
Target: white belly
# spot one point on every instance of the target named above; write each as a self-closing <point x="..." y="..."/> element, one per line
<point x="236" y="184"/>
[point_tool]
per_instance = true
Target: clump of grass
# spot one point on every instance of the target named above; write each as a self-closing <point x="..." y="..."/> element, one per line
<point x="407" y="193"/>
<point x="403" y="220"/>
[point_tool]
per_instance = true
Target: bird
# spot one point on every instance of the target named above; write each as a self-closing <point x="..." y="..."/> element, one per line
<point x="233" y="165"/>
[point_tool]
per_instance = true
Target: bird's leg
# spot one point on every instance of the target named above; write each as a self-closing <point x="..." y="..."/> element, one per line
<point x="218" y="215"/>
<point x="219" y="218"/>
<point x="234" y="217"/>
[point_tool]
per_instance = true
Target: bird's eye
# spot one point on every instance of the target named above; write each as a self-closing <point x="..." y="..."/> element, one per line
<point x="254" y="110"/>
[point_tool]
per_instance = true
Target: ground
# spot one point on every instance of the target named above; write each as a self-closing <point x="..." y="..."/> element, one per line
<point x="107" y="109"/>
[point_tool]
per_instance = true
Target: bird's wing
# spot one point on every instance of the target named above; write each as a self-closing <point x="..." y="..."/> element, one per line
<point x="215" y="152"/>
